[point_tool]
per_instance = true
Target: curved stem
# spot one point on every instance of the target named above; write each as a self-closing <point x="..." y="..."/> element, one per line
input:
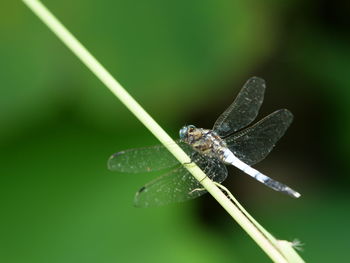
<point x="84" y="55"/>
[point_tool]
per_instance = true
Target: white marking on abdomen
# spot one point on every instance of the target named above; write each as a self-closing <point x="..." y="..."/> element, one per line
<point x="230" y="158"/>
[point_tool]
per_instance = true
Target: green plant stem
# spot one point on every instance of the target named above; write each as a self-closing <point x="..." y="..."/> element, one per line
<point x="285" y="247"/>
<point x="83" y="54"/>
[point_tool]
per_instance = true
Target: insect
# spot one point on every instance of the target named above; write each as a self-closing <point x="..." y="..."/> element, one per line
<point x="227" y="143"/>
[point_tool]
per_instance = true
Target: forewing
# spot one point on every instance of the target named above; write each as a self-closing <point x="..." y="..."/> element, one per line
<point x="179" y="185"/>
<point x="253" y="144"/>
<point x="243" y="110"/>
<point x="144" y="159"/>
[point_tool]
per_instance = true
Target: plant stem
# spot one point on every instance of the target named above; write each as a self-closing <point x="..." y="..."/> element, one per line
<point x="84" y="55"/>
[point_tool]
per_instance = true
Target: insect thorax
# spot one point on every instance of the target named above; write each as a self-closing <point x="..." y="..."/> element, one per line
<point x="206" y="142"/>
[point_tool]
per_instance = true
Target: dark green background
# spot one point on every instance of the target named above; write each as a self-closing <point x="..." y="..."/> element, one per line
<point x="184" y="61"/>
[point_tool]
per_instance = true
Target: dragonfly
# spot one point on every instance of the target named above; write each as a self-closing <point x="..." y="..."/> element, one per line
<point x="229" y="142"/>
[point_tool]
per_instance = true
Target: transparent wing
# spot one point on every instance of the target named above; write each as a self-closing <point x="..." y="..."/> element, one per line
<point x="179" y="185"/>
<point x="243" y="110"/>
<point x="253" y="144"/>
<point x="145" y="159"/>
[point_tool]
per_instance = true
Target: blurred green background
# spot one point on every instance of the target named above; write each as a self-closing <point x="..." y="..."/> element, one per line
<point x="184" y="61"/>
